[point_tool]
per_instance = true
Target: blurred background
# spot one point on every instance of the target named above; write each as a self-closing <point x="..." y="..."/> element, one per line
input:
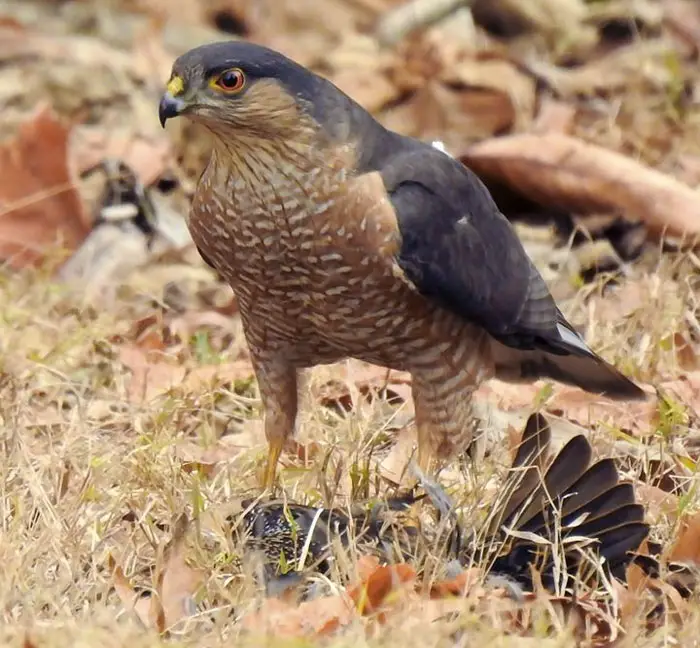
<point x="125" y="383"/>
<point x="622" y="74"/>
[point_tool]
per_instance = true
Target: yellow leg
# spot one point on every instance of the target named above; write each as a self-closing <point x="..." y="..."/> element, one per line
<point x="278" y="390"/>
<point x="425" y="450"/>
<point x="273" y="456"/>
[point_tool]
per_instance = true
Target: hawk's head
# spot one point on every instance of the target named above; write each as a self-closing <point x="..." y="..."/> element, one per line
<point x="238" y="88"/>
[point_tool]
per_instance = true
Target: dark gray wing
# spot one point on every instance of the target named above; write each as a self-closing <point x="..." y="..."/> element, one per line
<point x="458" y="249"/>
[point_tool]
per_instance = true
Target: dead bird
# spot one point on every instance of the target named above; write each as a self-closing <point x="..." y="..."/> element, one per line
<point x="295" y="537"/>
<point x="559" y="517"/>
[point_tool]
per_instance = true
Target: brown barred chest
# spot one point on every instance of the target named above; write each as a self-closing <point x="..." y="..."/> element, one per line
<point x="310" y="260"/>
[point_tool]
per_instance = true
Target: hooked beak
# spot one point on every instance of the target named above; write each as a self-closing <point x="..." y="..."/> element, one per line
<point x="170" y="106"/>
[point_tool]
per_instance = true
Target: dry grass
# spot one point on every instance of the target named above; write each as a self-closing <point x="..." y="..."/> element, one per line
<point x="89" y="473"/>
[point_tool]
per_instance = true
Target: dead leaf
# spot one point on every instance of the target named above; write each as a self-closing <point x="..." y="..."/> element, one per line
<point x="283" y="619"/>
<point x="687" y="355"/>
<point x="658" y="503"/>
<point x="185" y="325"/>
<point x="366" y="566"/>
<point x="497" y="74"/>
<point x="437" y="111"/>
<point x="555" y="16"/>
<point x="572" y="404"/>
<point x="178" y="582"/>
<point x="147" y="608"/>
<point x="371" y="88"/>
<point x="356" y="378"/>
<point x="147" y="333"/>
<point x="394" y="466"/>
<point x="458" y="586"/>
<point x="371" y="594"/>
<point x="640" y="62"/>
<point x="687" y="546"/>
<point x="39" y="202"/>
<point x="303" y="451"/>
<point x="372" y="91"/>
<point x="630" y="297"/>
<point x="563" y="172"/>
<point x="150" y="55"/>
<point x="554" y="116"/>
<point x="208" y="460"/>
<point x="683" y="18"/>
<point x="149" y="377"/>
<point x="300" y="30"/>
<point x="175" y="585"/>
<point x="207" y="376"/>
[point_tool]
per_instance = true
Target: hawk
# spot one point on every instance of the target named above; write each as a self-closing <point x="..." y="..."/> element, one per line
<point x="344" y="239"/>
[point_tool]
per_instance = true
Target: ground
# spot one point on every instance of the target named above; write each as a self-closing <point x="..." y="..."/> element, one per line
<point x="126" y="396"/>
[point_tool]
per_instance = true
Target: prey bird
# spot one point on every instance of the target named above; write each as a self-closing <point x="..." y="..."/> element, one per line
<point x="566" y="518"/>
<point x="341" y="238"/>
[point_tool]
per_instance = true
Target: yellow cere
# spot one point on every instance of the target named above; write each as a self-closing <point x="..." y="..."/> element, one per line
<point x="176" y="86"/>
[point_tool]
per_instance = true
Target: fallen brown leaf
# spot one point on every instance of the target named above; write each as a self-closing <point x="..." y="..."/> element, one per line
<point x="643" y="61"/>
<point x="149" y="377"/>
<point x="371" y="88"/>
<point x="186" y="325"/>
<point x="366" y="566"/>
<point x="637" y="582"/>
<point x="495" y="74"/>
<point x="152" y="373"/>
<point x="687" y="545"/>
<point x="394" y="466"/>
<point x="547" y="16"/>
<point x="150" y="54"/>
<point x="147" y="333"/>
<point x="658" y="503"/>
<point x="687" y="354"/>
<point x="147" y="608"/>
<point x="209" y="459"/>
<point x="563" y="172"/>
<point x="39" y="202"/>
<point x="303" y="451"/>
<point x="572" y="404"/>
<point x="366" y="380"/>
<point x="683" y="18"/>
<point x="554" y="116"/>
<point x="286" y="620"/>
<point x="437" y="111"/>
<point x="205" y="377"/>
<point x="177" y="582"/>
<point x="371" y="594"/>
<point x="458" y="586"/>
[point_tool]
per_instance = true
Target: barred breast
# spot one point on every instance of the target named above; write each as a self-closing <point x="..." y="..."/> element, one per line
<point x="311" y="260"/>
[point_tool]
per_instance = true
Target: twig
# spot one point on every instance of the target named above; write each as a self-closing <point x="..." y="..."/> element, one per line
<point x="414" y="15"/>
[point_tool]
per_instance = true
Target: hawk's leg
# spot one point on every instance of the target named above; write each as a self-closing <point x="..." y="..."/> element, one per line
<point x="442" y="393"/>
<point x="278" y="390"/>
<point x="444" y="423"/>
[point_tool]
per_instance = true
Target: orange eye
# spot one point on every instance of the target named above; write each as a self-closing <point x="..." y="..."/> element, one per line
<point x="231" y="80"/>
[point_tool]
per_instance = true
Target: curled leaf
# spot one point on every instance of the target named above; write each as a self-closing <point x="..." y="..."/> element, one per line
<point x="563" y="172"/>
